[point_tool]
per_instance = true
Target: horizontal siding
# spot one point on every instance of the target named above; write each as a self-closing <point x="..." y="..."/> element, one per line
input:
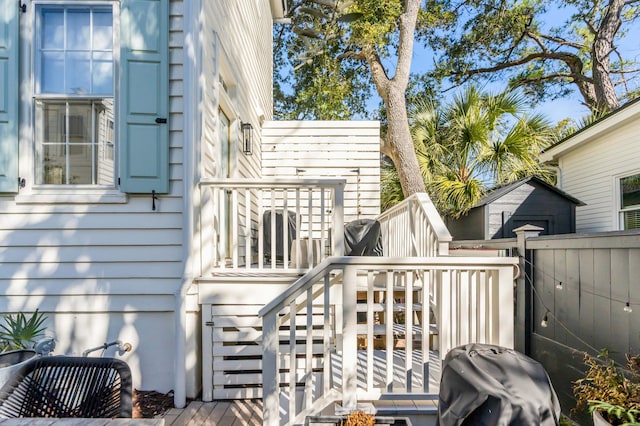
<point x="336" y="149"/>
<point x="104" y="271"/>
<point x="239" y="50"/>
<point x="589" y="173"/>
<point x="85" y="286"/>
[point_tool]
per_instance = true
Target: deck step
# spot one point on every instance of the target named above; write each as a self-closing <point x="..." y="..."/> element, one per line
<point x="405" y="407"/>
<point x="395" y="407"/>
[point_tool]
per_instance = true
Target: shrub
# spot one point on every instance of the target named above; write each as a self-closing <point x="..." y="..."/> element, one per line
<point x="610" y="388"/>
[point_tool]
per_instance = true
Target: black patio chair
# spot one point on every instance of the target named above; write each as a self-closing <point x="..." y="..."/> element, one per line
<point x="63" y="386"/>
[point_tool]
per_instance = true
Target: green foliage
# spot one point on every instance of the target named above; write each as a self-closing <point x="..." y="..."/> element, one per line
<point x="20" y="332"/>
<point x="629" y="417"/>
<point x="377" y="25"/>
<point x="390" y="187"/>
<point x="523" y="42"/>
<point x="478" y="141"/>
<point x="565" y="421"/>
<point x="320" y="59"/>
<point x="610" y="388"/>
<point x="313" y="78"/>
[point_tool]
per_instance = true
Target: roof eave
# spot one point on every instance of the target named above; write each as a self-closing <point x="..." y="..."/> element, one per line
<point x="589" y="133"/>
<point x="278" y="9"/>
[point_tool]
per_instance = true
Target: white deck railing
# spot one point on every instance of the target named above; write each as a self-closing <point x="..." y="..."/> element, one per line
<point x="244" y="223"/>
<point x="414" y="228"/>
<point x="321" y="337"/>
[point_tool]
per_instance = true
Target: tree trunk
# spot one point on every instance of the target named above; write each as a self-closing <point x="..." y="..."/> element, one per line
<point x="604" y="89"/>
<point x="400" y="143"/>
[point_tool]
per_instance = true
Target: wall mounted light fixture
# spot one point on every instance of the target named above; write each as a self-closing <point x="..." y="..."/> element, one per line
<point x="247" y="138"/>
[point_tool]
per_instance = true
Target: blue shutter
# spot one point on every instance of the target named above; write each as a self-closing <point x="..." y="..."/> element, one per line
<point x="9" y="96"/>
<point x="144" y="102"/>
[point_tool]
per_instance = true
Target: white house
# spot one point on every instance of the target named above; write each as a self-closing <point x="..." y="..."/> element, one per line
<point x="146" y="196"/>
<point x="600" y="165"/>
<point x="111" y="114"/>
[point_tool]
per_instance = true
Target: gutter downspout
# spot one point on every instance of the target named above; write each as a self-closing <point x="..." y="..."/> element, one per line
<point x="190" y="134"/>
<point x="558" y="172"/>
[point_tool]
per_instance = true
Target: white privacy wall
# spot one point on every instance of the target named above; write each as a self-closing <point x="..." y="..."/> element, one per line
<point x="338" y="149"/>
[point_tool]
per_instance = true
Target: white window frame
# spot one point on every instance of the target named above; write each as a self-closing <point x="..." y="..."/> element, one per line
<point x="59" y="194"/>
<point x="620" y="211"/>
<point x="227" y="100"/>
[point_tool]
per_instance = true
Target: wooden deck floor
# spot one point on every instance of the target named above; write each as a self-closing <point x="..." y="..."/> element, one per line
<point x="217" y="413"/>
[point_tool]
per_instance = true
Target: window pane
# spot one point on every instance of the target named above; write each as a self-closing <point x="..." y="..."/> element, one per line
<point x="105" y="135"/>
<point x="54" y="164"/>
<point x="81" y="164"/>
<point x="79" y="121"/>
<point x="50" y="118"/>
<point x="78" y="30"/>
<point x="52" y="79"/>
<point x="78" y="79"/>
<point x="76" y="55"/>
<point x="52" y="29"/>
<point x="102" y="30"/>
<point x="102" y="75"/>
<point x="630" y="191"/>
<point x="632" y="219"/>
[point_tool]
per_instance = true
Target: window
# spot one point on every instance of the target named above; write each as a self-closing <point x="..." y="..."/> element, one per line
<point x="74" y="95"/>
<point x="630" y="202"/>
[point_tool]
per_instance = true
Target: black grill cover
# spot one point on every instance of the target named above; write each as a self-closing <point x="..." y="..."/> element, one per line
<point x="362" y="238"/>
<point x="490" y="385"/>
<point x="291" y="233"/>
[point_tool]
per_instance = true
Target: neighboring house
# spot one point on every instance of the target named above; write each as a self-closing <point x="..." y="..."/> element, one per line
<point x="600" y="165"/>
<point x="527" y="201"/>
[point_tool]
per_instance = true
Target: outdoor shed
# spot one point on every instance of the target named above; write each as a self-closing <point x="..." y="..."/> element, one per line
<point x="526" y="201"/>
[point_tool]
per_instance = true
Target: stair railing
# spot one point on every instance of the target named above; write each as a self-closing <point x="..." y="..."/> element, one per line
<point x="321" y="337"/>
<point x="414" y="228"/>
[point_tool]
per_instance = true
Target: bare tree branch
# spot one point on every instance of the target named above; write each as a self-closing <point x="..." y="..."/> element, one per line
<point x="562" y="41"/>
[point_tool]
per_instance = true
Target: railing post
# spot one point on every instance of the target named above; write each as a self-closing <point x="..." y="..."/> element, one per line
<point x="505" y="307"/>
<point x="523" y="325"/>
<point x="270" y="386"/>
<point x="443" y="289"/>
<point x="349" y="342"/>
<point x="208" y="234"/>
<point x="338" y="221"/>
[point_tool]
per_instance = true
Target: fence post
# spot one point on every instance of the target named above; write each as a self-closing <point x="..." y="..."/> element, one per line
<point x="523" y="302"/>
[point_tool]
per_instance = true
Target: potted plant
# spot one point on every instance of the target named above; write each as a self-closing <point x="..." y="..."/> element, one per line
<point x="18" y="335"/>
<point x="19" y="332"/>
<point x="610" y="391"/>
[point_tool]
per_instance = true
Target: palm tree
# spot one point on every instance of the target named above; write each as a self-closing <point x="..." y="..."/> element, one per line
<point x="478" y="141"/>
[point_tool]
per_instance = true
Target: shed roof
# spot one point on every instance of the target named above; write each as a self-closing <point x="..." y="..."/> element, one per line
<point x="501" y="191"/>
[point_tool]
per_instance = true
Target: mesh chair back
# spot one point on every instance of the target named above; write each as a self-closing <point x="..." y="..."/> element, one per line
<point x="62" y="386"/>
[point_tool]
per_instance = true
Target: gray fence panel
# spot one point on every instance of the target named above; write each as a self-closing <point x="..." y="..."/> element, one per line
<point x="587" y="311"/>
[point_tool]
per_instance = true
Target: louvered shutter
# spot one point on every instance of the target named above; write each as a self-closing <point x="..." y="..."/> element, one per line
<point x="9" y="97"/>
<point x="144" y="103"/>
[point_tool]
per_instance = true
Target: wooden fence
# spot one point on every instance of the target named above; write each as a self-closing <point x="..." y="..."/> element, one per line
<point x="578" y="293"/>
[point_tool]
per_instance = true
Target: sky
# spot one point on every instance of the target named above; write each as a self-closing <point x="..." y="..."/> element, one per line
<point x="556" y="110"/>
<point x="559" y="109"/>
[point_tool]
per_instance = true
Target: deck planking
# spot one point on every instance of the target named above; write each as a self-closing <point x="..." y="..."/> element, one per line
<point x="216" y="413"/>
